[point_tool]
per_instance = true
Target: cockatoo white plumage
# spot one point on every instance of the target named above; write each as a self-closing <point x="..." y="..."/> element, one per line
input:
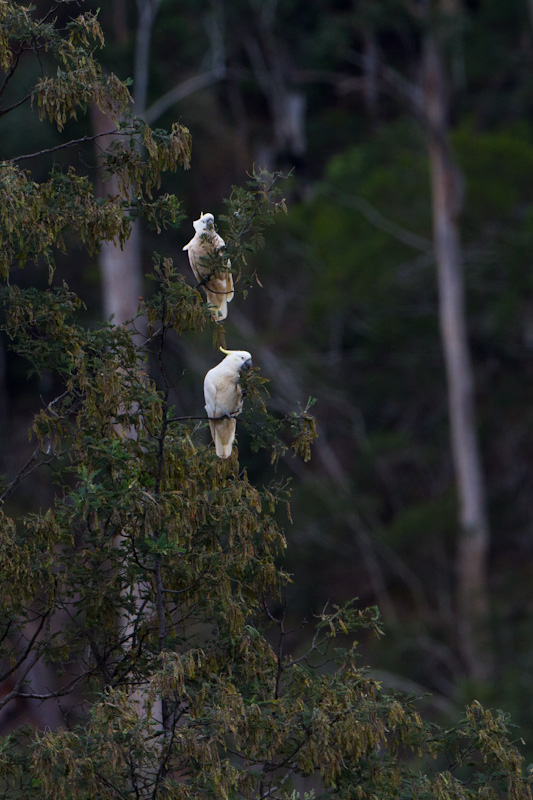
<point x="223" y="398"/>
<point x="205" y="250"/>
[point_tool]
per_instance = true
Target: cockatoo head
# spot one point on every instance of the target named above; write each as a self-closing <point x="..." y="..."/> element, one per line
<point x="239" y="359"/>
<point x="205" y="223"/>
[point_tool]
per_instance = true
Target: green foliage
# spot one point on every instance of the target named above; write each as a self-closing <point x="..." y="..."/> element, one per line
<point x="250" y="210"/>
<point x="35" y="217"/>
<point x="150" y="585"/>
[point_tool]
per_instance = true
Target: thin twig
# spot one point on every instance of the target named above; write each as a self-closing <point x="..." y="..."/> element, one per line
<point x="379" y="221"/>
<point x="11" y="70"/>
<point x="28" y="467"/>
<point x="27" y="651"/>
<point x="72" y="143"/>
<point x="206" y="419"/>
<point x="181" y="91"/>
<point x="12" y="108"/>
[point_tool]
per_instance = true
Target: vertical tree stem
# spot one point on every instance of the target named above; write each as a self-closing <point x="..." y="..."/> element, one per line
<point x="473" y="544"/>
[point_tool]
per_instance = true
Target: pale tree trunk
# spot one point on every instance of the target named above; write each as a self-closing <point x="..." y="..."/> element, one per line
<point x="121" y="277"/>
<point x="287" y="105"/>
<point x="120" y="267"/>
<point x="473" y="543"/>
<point x="121" y="271"/>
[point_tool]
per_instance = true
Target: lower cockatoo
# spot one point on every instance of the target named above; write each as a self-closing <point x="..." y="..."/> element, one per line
<point x="223" y="398"/>
<point x="210" y="267"/>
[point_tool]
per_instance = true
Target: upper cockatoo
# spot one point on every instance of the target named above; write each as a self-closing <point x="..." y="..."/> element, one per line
<point x="223" y="398"/>
<point x="214" y="273"/>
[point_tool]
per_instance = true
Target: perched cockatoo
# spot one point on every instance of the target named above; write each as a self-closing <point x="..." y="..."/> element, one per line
<point x="223" y="398"/>
<point x="209" y="265"/>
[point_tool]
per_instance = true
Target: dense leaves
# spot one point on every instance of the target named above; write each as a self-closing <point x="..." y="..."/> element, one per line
<point x="143" y="601"/>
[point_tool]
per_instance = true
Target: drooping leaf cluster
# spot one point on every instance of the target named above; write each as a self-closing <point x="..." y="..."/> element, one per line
<point x="35" y="217"/>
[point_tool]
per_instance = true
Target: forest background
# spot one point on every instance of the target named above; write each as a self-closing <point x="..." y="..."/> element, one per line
<point x="347" y="304"/>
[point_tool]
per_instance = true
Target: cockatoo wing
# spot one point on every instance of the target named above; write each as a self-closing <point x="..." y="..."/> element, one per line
<point x="210" y="395"/>
<point x="197" y="252"/>
<point x="229" y="285"/>
<point x="219" y="288"/>
<point x="223" y="398"/>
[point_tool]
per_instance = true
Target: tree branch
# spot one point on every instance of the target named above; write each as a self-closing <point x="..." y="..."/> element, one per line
<point x="27" y="651"/>
<point x="11" y="70"/>
<point x="147" y="12"/>
<point x="181" y="91"/>
<point x="12" y="108"/>
<point x="205" y="419"/>
<point x="379" y="221"/>
<point x="28" y="467"/>
<point x="72" y="143"/>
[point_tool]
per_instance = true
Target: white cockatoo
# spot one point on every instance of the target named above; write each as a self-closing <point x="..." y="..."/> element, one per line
<point x="210" y="267"/>
<point x="223" y="398"/>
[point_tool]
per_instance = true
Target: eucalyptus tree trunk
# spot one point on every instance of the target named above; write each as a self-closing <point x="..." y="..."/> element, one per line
<point x="121" y="267"/>
<point x="473" y="542"/>
<point x="122" y="274"/>
<point x="287" y="104"/>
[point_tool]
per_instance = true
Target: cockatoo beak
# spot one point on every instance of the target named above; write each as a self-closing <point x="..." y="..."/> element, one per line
<point x="247" y="364"/>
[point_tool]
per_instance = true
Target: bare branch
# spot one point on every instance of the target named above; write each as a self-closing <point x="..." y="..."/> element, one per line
<point x="31" y="464"/>
<point x="147" y="12"/>
<point x="379" y="221"/>
<point x="15" y="692"/>
<point x="181" y="91"/>
<point x="205" y="419"/>
<point x="11" y="70"/>
<point x="16" y="105"/>
<point x="194" y="583"/>
<point x="215" y="56"/>
<point x="396" y="81"/>
<point x="28" y="649"/>
<point x="67" y="689"/>
<point x="285" y="777"/>
<point x="71" y="143"/>
<point x="28" y="467"/>
<point x="110" y="785"/>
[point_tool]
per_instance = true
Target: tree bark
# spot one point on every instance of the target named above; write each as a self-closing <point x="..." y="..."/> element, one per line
<point x="120" y="268"/>
<point x="146" y="13"/>
<point x="473" y="543"/>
